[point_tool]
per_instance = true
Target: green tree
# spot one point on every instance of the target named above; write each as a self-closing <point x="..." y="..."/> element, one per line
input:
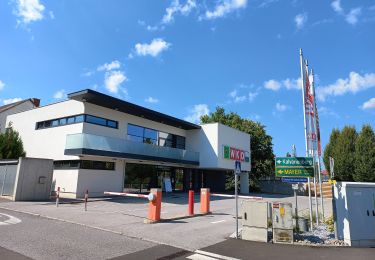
<point x="262" y="157"/>
<point x="365" y="155"/>
<point x="344" y="154"/>
<point x="330" y="147"/>
<point x="11" y="146"/>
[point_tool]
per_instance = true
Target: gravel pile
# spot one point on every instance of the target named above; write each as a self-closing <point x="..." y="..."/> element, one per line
<point x="319" y="236"/>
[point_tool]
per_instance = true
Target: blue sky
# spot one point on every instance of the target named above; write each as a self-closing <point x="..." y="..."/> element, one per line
<point x="184" y="58"/>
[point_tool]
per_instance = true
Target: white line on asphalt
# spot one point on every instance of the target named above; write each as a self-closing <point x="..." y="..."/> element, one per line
<point x="10" y="221"/>
<point x="215" y="255"/>
<point x="200" y="257"/>
<point x="219" y="221"/>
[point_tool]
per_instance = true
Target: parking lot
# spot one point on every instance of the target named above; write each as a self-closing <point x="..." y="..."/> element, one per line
<point x="126" y="216"/>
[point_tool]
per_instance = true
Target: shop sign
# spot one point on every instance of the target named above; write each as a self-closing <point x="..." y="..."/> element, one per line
<point x="235" y="154"/>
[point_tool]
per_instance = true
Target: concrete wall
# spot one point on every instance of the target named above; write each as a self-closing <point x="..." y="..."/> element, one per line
<point x="34" y="179"/>
<point x="27" y="105"/>
<point x="278" y="187"/>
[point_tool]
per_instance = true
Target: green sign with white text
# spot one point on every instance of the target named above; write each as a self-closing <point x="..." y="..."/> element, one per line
<point x="294" y="167"/>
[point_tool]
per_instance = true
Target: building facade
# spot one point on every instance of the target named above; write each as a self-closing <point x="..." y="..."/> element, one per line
<point x="16" y="107"/>
<point x="102" y="143"/>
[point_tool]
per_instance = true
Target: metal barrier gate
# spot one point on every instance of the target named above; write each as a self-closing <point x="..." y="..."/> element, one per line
<point x="8" y="173"/>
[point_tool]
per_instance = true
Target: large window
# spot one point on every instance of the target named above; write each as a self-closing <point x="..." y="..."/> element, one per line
<point x="150" y="136"/>
<point x="84" y="164"/>
<point x="77" y="119"/>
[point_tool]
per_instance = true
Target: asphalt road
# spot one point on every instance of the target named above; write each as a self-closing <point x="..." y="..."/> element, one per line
<point x="41" y="238"/>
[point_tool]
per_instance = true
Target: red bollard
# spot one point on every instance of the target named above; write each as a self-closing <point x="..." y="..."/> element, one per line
<point x="191" y="202"/>
<point x="57" y="196"/>
<point x="86" y="199"/>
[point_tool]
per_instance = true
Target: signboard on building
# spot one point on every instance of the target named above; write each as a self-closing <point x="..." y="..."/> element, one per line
<point x="235" y="154"/>
<point x="294" y="167"/>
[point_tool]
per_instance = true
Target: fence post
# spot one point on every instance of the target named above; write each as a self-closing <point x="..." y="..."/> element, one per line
<point x="191" y="202"/>
<point x="205" y="200"/>
<point x="57" y="196"/>
<point x="86" y="198"/>
<point x="155" y="206"/>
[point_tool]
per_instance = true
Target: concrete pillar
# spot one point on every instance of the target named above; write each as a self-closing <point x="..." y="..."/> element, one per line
<point x="244" y="183"/>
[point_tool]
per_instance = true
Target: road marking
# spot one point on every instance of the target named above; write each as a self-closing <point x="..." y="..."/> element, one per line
<point x="219" y="221"/>
<point x="215" y="256"/>
<point x="200" y="257"/>
<point x="10" y="221"/>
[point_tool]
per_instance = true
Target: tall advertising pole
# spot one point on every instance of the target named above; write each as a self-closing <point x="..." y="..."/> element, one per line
<point x="317" y="131"/>
<point x="305" y="127"/>
<point x="314" y="146"/>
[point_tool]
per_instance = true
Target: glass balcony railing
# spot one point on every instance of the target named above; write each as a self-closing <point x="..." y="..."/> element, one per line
<point x="129" y="149"/>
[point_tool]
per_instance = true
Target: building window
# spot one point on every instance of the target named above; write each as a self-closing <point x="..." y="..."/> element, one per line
<point x="77" y="119"/>
<point x="150" y="136"/>
<point x="84" y="164"/>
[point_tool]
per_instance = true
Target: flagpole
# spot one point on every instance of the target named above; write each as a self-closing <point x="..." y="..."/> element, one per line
<point x="313" y="143"/>
<point x="319" y="156"/>
<point x="305" y="128"/>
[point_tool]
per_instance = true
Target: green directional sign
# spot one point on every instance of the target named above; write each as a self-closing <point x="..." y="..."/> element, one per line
<point x="294" y="172"/>
<point x="294" y="161"/>
<point x="294" y="167"/>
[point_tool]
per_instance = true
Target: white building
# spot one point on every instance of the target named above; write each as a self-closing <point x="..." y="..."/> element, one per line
<point x="16" y="107"/>
<point x="102" y="143"/>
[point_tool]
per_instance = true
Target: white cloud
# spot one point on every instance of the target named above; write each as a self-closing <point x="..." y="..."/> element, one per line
<point x="236" y="98"/>
<point x="287" y="83"/>
<point x="272" y="84"/>
<point x="300" y="20"/>
<point x="2" y="85"/>
<point x="11" y="100"/>
<point x="196" y="112"/>
<point x="153" y="49"/>
<point x="152" y="100"/>
<point x="113" y="80"/>
<point x="336" y="6"/>
<point x="109" y="66"/>
<point x="353" y="84"/>
<point x="51" y="15"/>
<point x="369" y="104"/>
<point x="60" y="94"/>
<point x="292" y="83"/>
<point x="224" y="7"/>
<point x="177" y="8"/>
<point x="352" y="16"/>
<point x="325" y="111"/>
<point x="29" y="11"/>
<point x="252" y="96"/>
<point x="280" y="107"/>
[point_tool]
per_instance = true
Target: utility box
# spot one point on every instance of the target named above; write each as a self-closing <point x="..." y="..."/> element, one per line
<point x="254" y="221"/>
<point x="355" y="213"/>
<point x="282" y="222"/>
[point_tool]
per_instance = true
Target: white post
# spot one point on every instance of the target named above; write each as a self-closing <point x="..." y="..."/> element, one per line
<point x="313" y="128"/>
<point x="305" y="128"/>
<point x="236" y="195"/>
<point x="319" y="168"/>
<point x="321" y="189"/>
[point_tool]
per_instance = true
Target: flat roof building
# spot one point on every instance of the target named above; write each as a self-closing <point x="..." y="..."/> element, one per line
<point x="102" y="143"/>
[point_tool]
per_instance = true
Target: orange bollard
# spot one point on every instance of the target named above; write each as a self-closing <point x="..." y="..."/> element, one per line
<point x="155" y="206"/>
<point x="205" y="200"/>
